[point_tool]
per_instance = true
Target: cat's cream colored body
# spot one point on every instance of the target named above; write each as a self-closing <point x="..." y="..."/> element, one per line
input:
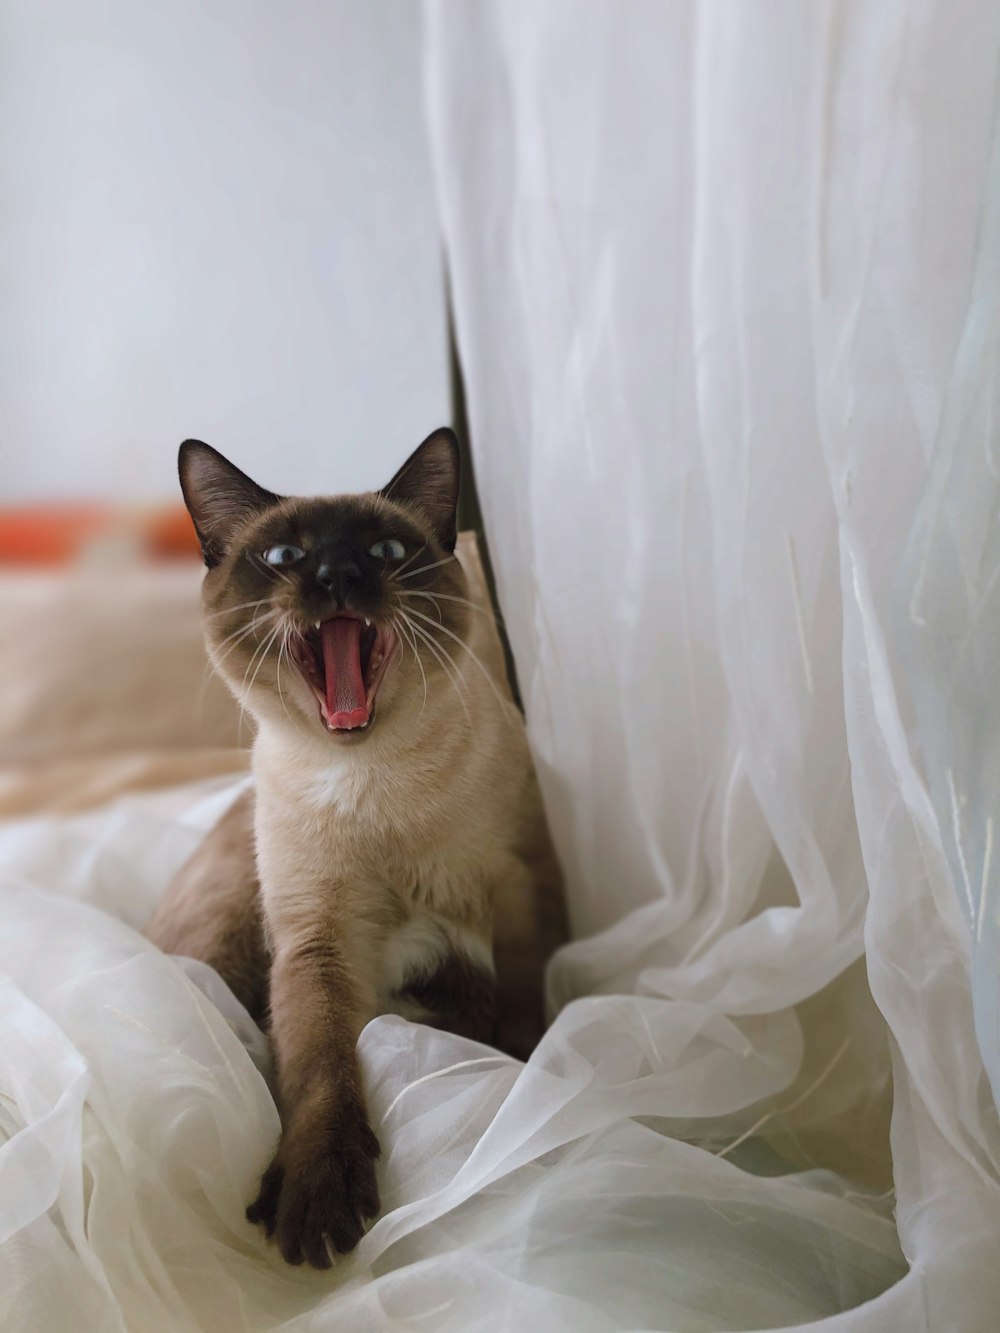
<point x="393" y="854"/>
<point x="414" y="842"/>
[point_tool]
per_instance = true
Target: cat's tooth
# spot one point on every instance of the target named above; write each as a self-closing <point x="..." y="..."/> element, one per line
<point x="368" y="622"/>
<point x="318" y="623"/>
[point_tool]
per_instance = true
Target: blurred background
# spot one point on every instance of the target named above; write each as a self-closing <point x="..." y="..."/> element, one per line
<point x="218" y="220"/>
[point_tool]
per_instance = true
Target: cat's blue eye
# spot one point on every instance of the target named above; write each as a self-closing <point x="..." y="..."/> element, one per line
<point x="390" y="549"/>
<point x="283" y="555"/>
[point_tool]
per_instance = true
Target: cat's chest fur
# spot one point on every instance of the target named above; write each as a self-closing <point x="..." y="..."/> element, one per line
<point x="416" y="827"/>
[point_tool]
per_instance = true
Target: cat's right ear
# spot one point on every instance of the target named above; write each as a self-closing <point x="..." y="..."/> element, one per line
<point x="219" y="497"/>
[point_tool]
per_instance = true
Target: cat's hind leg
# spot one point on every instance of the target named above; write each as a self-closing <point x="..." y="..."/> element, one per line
<point x="437" y="972"/>
<point x="211" y="911"/>
<point x="458" y="995"/>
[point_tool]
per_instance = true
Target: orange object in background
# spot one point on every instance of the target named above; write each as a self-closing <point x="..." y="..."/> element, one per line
<point x="49" y="534"/>
<point x="171" y="533"/>
<point x="61" y="534"/>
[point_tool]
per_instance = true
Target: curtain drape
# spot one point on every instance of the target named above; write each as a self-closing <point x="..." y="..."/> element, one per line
<point x="727" y="290"/>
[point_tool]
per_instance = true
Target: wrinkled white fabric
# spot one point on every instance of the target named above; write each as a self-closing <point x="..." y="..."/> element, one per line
<point x="137" y="1118"/>
<point x="726" y="286"/>
<point x="725" y="280"/>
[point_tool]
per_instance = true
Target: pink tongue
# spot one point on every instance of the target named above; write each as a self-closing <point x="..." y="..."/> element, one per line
<point x="345" y="684"/>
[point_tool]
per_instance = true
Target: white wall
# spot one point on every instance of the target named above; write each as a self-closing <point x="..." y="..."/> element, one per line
<point x="217" y="220"/>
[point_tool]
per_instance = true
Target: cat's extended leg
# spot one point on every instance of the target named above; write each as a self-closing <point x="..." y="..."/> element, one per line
<point x="321" y="1185"/>
<point x="212" y="909"/>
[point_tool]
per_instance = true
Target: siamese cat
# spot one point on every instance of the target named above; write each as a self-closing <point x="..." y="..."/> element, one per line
<point x="392" y="856"/>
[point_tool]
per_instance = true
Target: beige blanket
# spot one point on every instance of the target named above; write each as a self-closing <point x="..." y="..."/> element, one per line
<point x="107" y="688"/>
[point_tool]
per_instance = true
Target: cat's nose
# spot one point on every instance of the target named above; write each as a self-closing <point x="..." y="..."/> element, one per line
<point x="339" y="578"/>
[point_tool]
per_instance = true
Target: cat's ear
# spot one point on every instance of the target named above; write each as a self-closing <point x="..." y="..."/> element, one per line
<point x="429" y="479"/>
<point x="219" y="497"/>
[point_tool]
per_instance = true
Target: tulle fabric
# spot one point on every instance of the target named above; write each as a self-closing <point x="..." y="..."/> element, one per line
<point x="726" y="287"/>
<point x="137" y="1117"/>
<point x="725" y="280"/>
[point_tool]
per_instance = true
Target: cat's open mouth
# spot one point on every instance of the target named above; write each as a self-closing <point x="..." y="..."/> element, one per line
<point x="343" y="661"/>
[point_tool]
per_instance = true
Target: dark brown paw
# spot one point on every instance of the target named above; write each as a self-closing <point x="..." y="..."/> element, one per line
<point x="320" y="1188"/>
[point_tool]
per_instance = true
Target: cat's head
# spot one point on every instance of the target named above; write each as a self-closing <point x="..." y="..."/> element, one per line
<point x="327" y="612"/>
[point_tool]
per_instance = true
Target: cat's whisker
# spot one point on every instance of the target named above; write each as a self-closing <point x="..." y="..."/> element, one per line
<point x="424" y="568"/>
<point x="441" y="654"/>
<point x="418" y="629"/>
<point x="243" y="697"/>
<point x="258" y="622"/>
<point x="216" y="658"/>
<point x="268" y="645"/>
<point x="447" y="664"/>
<point x="486" y="674"/>
<point x="416" y="657"/>
<point x="409" y="559"/>
<point x="283" y="651"/>
<point x="262" y="649"/>
<point x="231" y="610"/>
<point x="449" y="597"/>
<point x="420" y="594"/>
<point x="456" y="681"/>
<point x="214" y="661"/>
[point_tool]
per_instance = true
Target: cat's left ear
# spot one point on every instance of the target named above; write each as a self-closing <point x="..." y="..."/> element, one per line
<point x="219" y="497"/>
<point x="430" y="479"/>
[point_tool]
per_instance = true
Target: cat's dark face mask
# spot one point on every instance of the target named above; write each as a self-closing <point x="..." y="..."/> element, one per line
<point x="312" y="605"/>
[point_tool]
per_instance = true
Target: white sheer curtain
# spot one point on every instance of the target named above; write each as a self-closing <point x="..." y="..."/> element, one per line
<point x="727" y="282"/>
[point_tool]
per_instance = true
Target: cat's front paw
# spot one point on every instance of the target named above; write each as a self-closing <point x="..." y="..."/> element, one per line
<point x="320" y="1188"/>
